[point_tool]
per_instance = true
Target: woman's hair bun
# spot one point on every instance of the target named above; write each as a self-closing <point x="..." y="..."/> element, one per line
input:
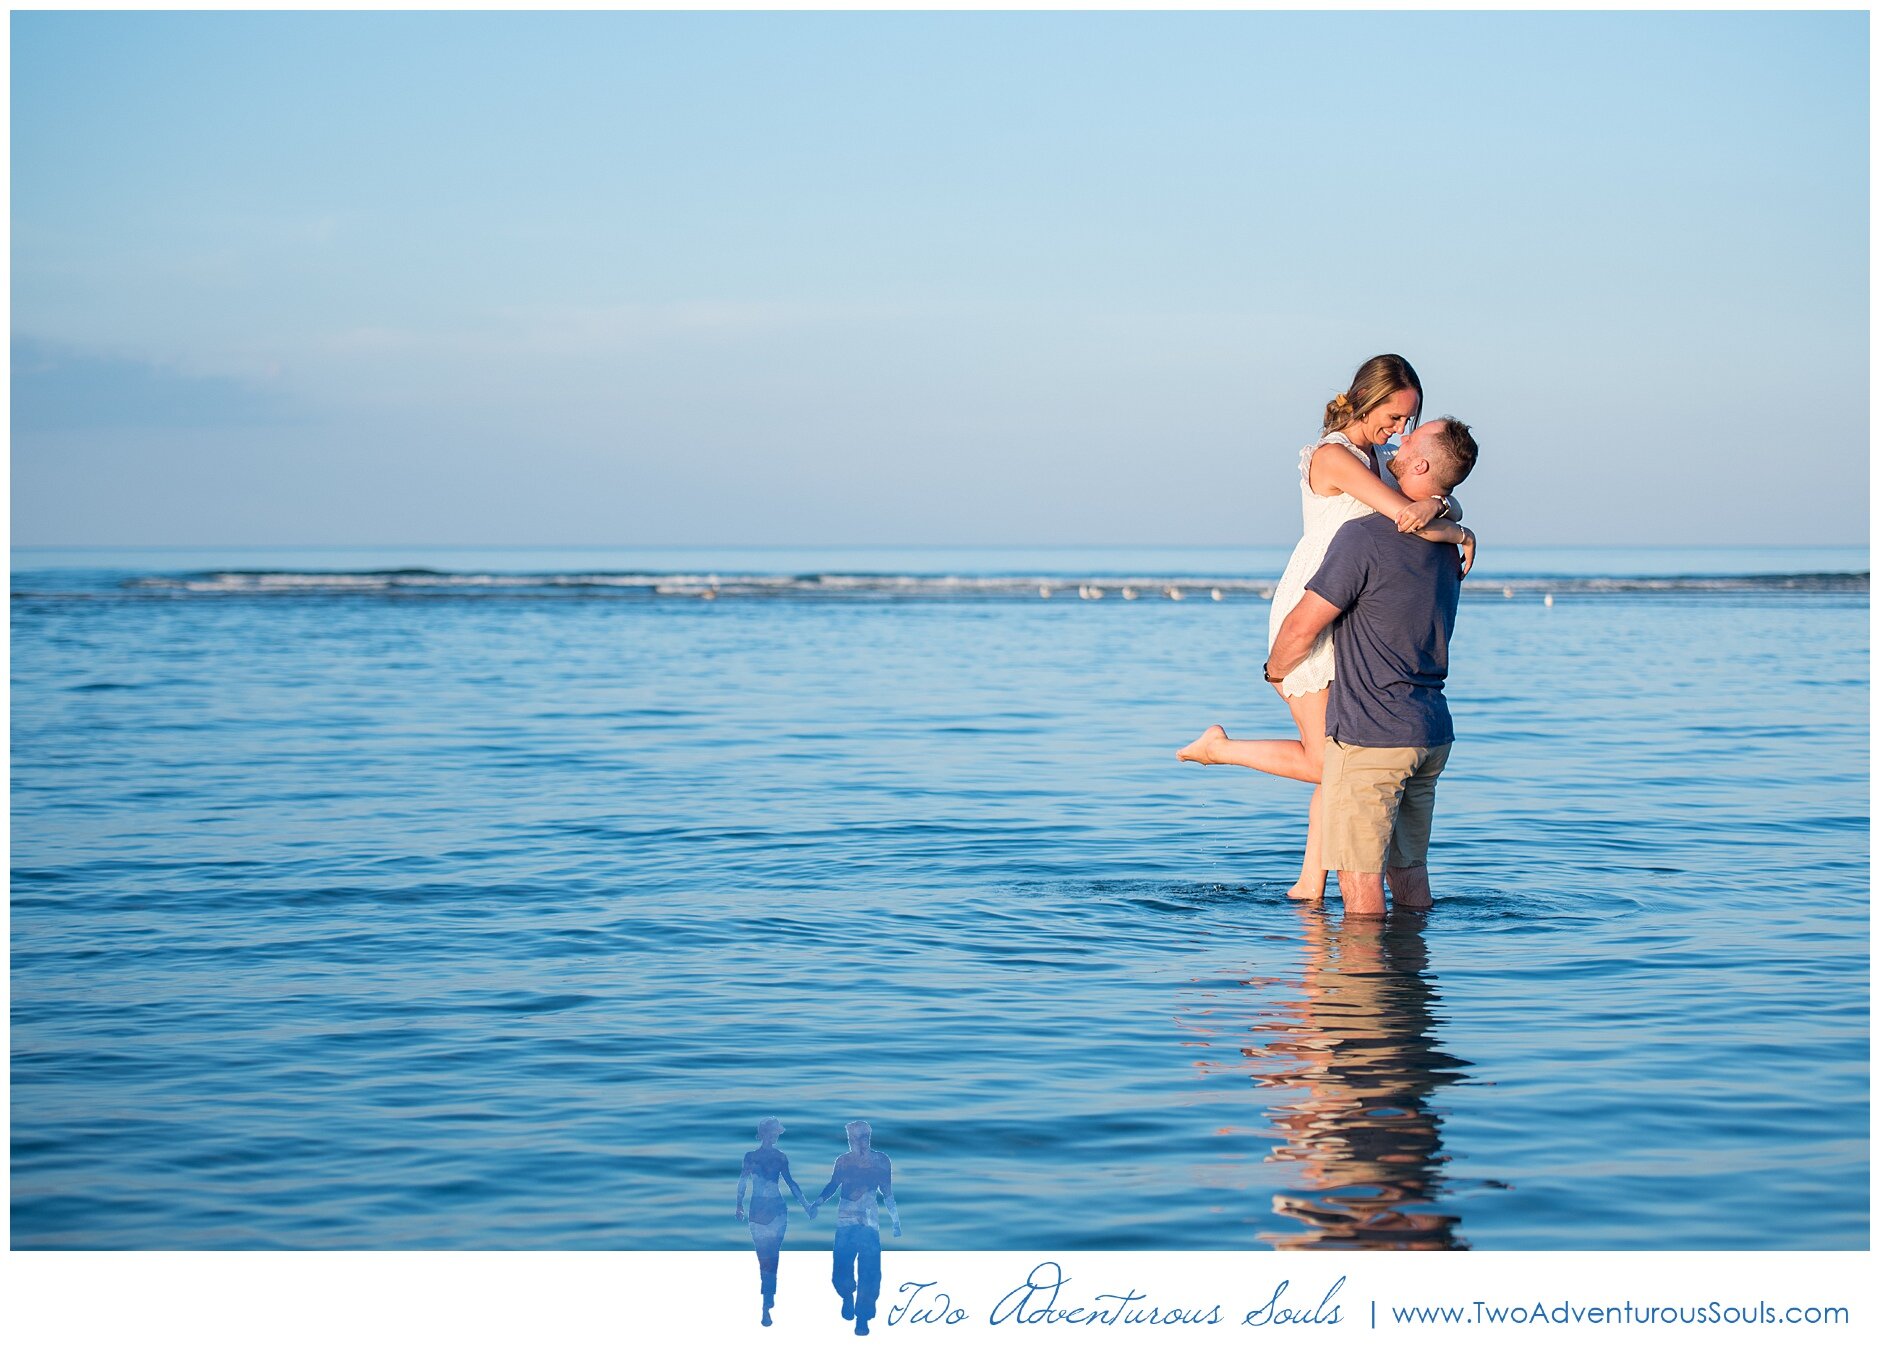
<point x="1377" y="378"/>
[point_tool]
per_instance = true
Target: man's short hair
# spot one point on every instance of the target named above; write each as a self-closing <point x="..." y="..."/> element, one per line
<point x="1453" y="452"/>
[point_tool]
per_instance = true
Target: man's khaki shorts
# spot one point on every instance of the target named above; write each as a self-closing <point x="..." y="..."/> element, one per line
<point x="1377" y="805"/>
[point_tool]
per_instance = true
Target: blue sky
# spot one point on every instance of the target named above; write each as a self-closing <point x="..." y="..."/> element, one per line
<point x="627" y="279"/>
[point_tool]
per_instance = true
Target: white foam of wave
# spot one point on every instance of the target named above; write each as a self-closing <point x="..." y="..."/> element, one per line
<point x="1172" y="588"/>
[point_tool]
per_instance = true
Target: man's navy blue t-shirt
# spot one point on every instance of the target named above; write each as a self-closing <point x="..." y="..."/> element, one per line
<point x="1398" y="594"/>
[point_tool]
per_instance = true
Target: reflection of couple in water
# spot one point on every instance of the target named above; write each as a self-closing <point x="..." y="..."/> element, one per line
<point x="1360" y="1124"/>
<point x="858" y="1176"/>
<point x="1350" y="1057"/>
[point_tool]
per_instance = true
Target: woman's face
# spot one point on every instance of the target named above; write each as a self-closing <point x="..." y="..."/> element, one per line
<point x="1391" y="417"/>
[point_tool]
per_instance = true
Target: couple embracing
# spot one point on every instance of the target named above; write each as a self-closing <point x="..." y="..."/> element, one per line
<point x="1358" y="644"/>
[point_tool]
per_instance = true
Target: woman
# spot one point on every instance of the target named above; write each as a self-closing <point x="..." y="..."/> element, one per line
<point x="770" y="1213"/>
<point x="1338" y="479"/>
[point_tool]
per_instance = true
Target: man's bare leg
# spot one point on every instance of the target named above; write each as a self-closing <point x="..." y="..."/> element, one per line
<point x="1411" y="887"/>
<point x="1363" y="893"/>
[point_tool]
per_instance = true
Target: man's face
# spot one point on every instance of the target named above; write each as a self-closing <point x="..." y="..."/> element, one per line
<point x="1416" y="445"/>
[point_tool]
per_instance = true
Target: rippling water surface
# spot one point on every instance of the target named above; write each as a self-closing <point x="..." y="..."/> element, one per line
<point x="351" y="915"/>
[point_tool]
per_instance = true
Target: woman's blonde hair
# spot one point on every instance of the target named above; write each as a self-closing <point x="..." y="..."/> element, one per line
<point x="1378" y="378"/>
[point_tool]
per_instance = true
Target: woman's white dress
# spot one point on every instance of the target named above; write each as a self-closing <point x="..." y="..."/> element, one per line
<point x="1324" y="517"/>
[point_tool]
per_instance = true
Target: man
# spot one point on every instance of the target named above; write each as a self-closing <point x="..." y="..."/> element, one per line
<point x="859" y="1174"/>
<point x="1390" y="599"/>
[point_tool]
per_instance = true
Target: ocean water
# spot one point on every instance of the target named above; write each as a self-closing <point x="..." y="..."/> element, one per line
<point x="477" y="899"/>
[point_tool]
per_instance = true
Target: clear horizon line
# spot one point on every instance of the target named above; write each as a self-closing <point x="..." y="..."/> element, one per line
<point x="800" y="547"/>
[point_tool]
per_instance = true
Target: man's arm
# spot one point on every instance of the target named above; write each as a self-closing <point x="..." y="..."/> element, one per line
<point x="835" y="1180"/>
<point x="1309" y="618"/>
<point x="887" y="1192"/>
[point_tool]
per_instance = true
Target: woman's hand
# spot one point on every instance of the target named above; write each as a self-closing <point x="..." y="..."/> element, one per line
<point x="740" y="1213"/>
<point x="1467" y="549"/>
<point x="1418" y="513"/>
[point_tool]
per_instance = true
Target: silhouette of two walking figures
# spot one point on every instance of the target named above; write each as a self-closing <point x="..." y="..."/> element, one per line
<point x="858" y="1177"/>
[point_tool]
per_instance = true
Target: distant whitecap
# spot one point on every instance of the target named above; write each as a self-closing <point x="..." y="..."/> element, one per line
<point x="414" y="581"/>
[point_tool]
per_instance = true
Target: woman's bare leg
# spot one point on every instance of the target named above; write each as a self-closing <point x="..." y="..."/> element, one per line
<point x="1311" y="883"/>
<point x="1308" y="712"/>
<point x="1273" y="755"/>
<point x="1300" y="760"/>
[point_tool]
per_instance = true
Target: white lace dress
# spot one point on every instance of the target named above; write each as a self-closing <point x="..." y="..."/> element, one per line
<point x="1324" y="516"/>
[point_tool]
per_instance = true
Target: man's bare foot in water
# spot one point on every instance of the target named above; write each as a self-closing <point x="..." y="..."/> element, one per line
<point x="1203" y="749"/>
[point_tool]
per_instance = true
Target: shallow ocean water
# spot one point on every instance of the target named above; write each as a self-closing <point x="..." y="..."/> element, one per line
<point x="468" y="915"/>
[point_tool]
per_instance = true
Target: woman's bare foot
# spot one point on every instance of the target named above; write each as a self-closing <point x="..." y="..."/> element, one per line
<point x="1202" y="750"/>
<point x="1306" y="892"/>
